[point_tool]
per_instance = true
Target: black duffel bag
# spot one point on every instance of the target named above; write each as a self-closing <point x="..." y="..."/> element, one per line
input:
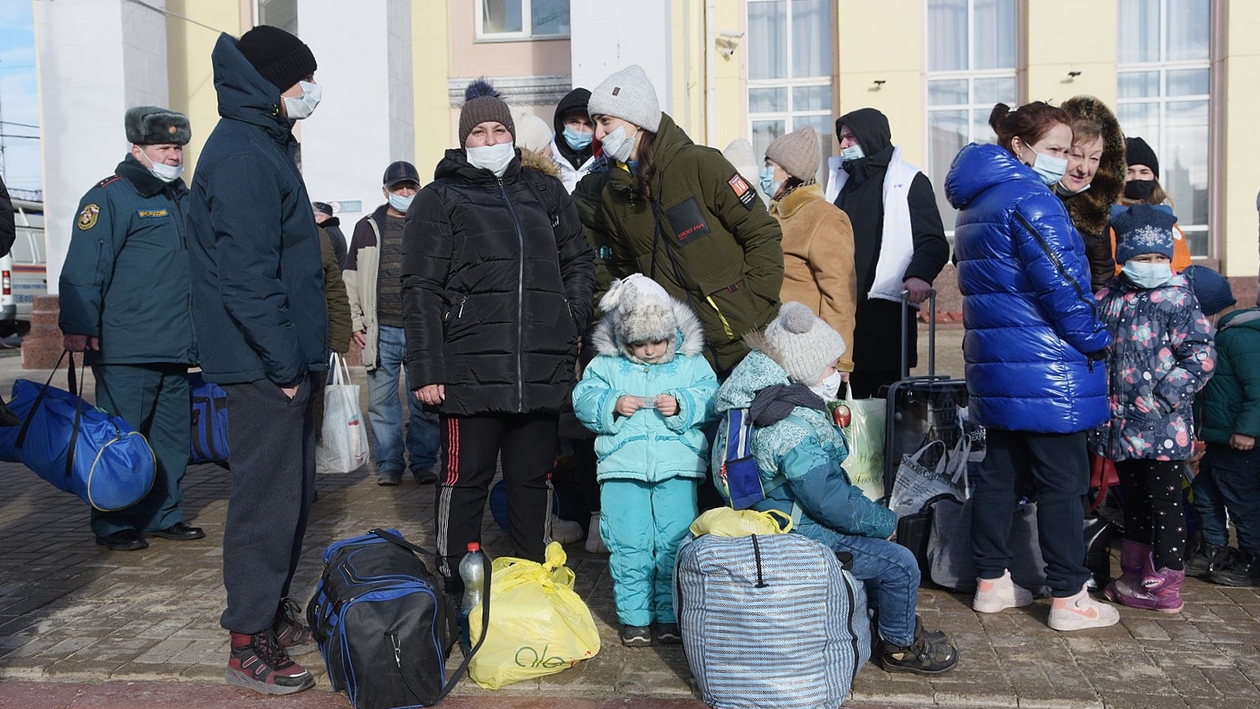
<point x="384" y="625"/>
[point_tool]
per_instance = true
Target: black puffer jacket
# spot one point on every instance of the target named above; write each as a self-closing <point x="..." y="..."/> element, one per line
<point x="496" y="287"/>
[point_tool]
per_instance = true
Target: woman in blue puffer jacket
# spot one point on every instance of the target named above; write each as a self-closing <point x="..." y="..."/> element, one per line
<point x="1034" y="348"/>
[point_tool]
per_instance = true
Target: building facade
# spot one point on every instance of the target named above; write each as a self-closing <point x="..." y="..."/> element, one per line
<point x="1179" y="73"/>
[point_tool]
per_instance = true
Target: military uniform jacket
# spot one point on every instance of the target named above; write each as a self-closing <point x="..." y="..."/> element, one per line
<point x="126" y="274"/>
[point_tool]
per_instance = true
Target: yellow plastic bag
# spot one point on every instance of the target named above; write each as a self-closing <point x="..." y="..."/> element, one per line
<point x="538" y="625"/>
<point x="726" y="522"/>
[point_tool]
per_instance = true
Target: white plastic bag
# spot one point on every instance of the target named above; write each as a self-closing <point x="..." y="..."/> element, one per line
<point x="344" y="448"/>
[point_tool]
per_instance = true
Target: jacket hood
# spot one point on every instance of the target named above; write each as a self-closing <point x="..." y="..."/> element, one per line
<point x="244" y="95"/>
<point x="1248" y="318"/>
<point x="870" y="127"/>
<point x="1090" y="209"/>
<point x="755" y="373"/>
<point x="577" y="98"/>
<point x="455" y="165"/>
<point x="689" y="339"/>
<point x="534" y="161"/>
<point x="977" y="167"/>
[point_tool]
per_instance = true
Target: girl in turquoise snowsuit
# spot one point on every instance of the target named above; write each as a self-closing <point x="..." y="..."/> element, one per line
<point x="646" y="395"/>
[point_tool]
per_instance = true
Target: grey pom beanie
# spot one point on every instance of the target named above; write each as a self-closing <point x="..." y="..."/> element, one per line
<point x="802" y="343"/>
<point x="628" y="95"/>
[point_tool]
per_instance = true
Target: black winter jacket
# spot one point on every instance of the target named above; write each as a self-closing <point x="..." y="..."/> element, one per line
<point x="257" y="274"/>
<point x="496" y="288"/>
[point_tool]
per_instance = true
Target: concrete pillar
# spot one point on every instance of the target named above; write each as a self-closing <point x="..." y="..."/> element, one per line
<point x="96" y="59"/>
<point x="366" y="118"/>
<point x="609" y="36"/>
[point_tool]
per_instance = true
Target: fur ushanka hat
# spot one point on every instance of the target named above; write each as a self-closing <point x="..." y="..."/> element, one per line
<point x="151" y="125"/>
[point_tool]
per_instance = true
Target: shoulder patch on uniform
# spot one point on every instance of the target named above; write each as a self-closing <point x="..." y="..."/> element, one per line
<point x="108" y="180"/>
<point x="88" y="217"/>
<point x="742" y="191"/>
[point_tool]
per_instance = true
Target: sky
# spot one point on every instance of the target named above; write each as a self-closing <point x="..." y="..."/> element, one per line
<point x="19" y="98"/>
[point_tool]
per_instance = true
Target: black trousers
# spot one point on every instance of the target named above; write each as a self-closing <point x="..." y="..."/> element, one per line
<point x="1055" y="469"/>
<point x="471" y="445"/>
<point x="1153" y="511"/>
<point x="271" y="444"/>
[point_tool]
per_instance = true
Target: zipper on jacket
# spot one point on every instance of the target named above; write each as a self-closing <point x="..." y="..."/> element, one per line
<point x="1058" y="264"/>
<point x="520" y="295"/>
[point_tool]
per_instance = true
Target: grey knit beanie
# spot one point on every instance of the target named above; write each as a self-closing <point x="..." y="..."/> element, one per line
<point x="482" y="103"/>
<point x="802" y="343"/>
<point x="628" y="95"/>
<point x="531" y="131"/>
<point x="797" y="153"/>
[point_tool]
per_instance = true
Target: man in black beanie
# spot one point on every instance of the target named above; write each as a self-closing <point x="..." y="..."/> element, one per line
<point x="262" y="330"/>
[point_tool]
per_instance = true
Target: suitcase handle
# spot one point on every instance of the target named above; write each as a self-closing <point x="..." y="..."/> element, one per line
<point x="905" y="341"/>
<point x="485" y="607"/>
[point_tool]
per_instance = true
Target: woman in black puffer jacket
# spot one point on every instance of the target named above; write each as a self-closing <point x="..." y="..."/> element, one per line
<point x="496" y="285"/>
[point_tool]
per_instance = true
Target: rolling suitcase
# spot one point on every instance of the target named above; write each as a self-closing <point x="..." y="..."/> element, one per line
<point x="921" y="409"/>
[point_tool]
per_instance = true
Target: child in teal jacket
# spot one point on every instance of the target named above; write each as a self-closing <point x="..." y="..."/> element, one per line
<point x="647" y="395"/>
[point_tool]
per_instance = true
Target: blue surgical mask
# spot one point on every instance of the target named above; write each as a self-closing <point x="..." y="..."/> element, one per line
<point x="1049" y="168"/>
<point x="1147" y="275"/>
<point x="577" y="139"/>
<point x="297" y="107"/>
<point x="400" y="203"/>
<point x="768" y="185"/>
<point x="618" y="146"/>
<point x="851" y="153"/>
<point x="494" y="158"/>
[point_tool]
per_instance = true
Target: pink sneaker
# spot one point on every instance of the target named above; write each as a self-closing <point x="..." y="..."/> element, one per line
<point x="1080" y="612"/>
<point x="995" y="595"/>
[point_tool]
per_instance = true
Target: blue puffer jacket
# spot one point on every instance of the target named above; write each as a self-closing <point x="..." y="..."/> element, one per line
<point x="648" y="446"/>
<point x="257" y="274"/>
<point x="802" y="455"/>
<point x="1027" y="306"/>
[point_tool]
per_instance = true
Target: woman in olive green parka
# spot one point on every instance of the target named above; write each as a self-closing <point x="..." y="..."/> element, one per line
<point x="682" y="215"/>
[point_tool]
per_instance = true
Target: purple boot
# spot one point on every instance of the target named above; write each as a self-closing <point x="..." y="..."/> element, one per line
<point x="1156" y="590"/>
<point x="1133" y="556"/>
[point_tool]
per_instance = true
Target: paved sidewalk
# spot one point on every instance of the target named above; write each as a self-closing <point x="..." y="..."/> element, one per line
<point x="73" y="612"/>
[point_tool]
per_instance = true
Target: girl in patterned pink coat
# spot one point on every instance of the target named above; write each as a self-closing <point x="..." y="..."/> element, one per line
<point x="1161" y="354"/>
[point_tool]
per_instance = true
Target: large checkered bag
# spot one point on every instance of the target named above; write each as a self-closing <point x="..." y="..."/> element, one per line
<point x="770" y="620"/>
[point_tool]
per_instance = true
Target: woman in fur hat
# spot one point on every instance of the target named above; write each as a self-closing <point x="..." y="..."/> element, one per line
<point x="646" y="395"/>
<point x="1094" y="180"/>
<point x="817" y="235"/>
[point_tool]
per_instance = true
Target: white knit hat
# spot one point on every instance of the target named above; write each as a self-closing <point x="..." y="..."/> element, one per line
<point x="532" y="132"/>
<point x="628" y="95"/>
<point x="640" y="311"/>
<point x="802" y="343"/>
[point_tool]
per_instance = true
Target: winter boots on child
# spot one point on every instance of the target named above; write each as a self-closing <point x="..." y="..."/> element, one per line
<point x="1141" y="585"/>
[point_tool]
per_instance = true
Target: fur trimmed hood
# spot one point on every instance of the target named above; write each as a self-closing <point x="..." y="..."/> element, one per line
<point x="688" y="336"/>
<point x="534" y="161"/>
<point x="1091" y="209"/>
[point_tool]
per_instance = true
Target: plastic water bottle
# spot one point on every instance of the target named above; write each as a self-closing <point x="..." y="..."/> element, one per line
<point x="472" y="571"/>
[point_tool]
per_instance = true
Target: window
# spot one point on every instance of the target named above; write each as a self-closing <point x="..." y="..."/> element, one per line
<point x="789" y="71"/>
<point x="971" y="66"/>
<point x="1163" y="97"/>
<point x="522" y="19"/>
<point x="278" y="13"/>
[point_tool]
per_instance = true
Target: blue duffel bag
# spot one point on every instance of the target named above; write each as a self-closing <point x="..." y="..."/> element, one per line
<point x="76" y="446"/>
<point x="209" y="421"/>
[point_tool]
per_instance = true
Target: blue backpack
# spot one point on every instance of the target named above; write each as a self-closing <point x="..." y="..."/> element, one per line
<point x="738" y="479"/>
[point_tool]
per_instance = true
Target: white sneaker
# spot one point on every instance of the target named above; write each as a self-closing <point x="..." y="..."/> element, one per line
<point x="1002" y="595"/>
<point x="594" y="542"/>
<point x="565" y="531"/>
<point x="1080" y="612"/>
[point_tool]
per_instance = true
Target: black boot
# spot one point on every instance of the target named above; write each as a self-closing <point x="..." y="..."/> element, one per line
<point x="924" y="656"/>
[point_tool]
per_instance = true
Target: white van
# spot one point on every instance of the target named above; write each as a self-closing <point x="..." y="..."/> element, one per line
<point x="23" y="272"/>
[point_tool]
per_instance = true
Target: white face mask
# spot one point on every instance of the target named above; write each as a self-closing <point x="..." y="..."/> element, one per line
<point x="162" y="171"/>
<point x="853" y="152"/>
<point x="829" y="387"/>
<point x="494" y="158"/>
<point x="618" y="146"/>
<point x="299" y="107"/>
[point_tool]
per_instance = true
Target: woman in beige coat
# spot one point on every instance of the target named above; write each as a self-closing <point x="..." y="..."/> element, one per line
<point x="817" y="236"/>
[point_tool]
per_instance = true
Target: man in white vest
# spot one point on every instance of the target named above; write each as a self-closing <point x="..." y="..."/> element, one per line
<point x="898" y="238"/>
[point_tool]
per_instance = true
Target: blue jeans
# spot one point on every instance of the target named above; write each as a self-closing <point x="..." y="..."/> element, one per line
<point x="385" y="415"/>
<point x="1237" y="476"/>
<point x="887" y="569"/>
<point x="1209" y="504"/>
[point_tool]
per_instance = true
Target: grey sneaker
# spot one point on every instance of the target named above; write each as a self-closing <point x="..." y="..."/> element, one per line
<point x="425" y="476"/>
<point x="389" y="478"/>
<point x="636" y="636"/>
